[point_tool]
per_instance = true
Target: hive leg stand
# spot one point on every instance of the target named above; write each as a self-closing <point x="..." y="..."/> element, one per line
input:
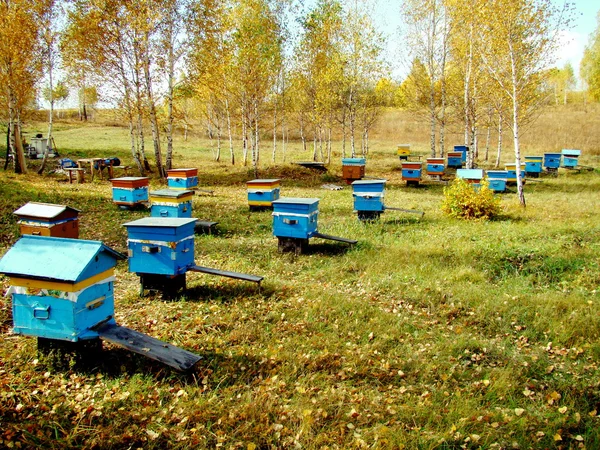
<point x="62" y="353"/>
<point x="168" y="285"/>
<point x="368" y="216"/>
<point x="296" y="245"/>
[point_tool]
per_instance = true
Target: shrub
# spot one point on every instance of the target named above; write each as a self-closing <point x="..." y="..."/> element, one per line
<point x="465" y="201"/>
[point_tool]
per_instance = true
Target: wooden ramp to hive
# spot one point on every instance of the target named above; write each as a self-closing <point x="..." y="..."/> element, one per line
<point x="148" y="346"/>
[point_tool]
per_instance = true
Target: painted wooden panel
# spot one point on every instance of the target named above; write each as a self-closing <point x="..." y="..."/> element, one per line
<point x="130" y="196"/>
<point x="552" y="160"/>
<point x="295" y="217"/>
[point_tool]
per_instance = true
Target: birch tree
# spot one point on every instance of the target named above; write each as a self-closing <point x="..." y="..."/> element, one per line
<point x="520" y="39"/>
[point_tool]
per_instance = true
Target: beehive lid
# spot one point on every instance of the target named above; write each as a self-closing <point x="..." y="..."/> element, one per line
<point x="571" y="152"/>
<point x="47" y="211"/>
<point x="470" y="174"/>
<point x="460" y="148"/>
<point x="171" y="193"/>
<point x="533" y="158"/>
<point x="129" y="179"/>
<point x="264" y="181"/>
<point x="160" y="222"/>
<point x="367" y="182"/>
<point x="57" y="259"/>
<point x="296" y="201"/>
<point x="354" y="161"/>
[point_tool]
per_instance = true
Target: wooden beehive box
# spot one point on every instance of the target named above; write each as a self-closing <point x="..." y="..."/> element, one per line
<point x="435" y="166"/>
<point x="533" y="165"/>
<point x="403" y="151"/>
<point x="463" y="149"/>
<point x="61" y="288"/>
<point x="295" y="217"/>
<point x="182" y="178"/>
<point x="497" y="180"/>
<point x="353" y="169"/>
<point x="412" y="171"/>
<point x="46" y="219"/>
<point x="511" y="169"/>
<point x="454" y="159"/>
<point x="368" y="195"/>
<point x="552" y="161"/>
<point x="130" y="191"/>
<point x="262" y="192"/>
<point x="472" y="176"/>
<point x="162" y="246"/>
<point x="570" y="158"/>
<point x="171" y="203"/>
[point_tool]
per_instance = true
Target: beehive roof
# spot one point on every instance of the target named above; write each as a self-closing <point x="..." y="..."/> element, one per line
<point x="44" y="210"/>
<point x="57" y="259"/>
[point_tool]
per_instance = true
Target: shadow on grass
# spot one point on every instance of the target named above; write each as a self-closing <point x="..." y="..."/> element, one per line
<point x="113" y="362"/>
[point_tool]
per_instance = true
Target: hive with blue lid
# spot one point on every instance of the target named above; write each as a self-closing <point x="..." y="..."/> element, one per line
<point x="47" y="219"/>
<point x="570" y="158"/>
<point x="511" y="172"/>
<point x="471" y="176"/>
<point x="368" y="198"/>
<point x="552" y="162"/>
<point x="353" y="169"/>
<point x="171" y="203"/>
<point x="262" y="193"/>
<point x="464" y="150"/>
<point x="158" y="245"/>
<point x="63" y="293"/>
<point x="497" y="180"/>
<point x="182" y="178"/>
<point x="533" y="166"/>
<point x="129" y="192"/>
<point x="61" y="288"/>
<point x="295" y="222"/>
<point x="161" y="252"/>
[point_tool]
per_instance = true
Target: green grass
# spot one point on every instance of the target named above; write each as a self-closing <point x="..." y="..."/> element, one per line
<point x="431" y="333"/>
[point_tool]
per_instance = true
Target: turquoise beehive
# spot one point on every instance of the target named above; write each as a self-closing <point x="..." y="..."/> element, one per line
<point x="61" y="288"/>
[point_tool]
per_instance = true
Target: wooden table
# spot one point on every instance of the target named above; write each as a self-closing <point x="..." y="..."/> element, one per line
<point x="91" y="162"/>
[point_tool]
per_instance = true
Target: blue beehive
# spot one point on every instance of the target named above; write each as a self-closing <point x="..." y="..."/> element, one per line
<point x="61" y="288"/>
<point x="262" y="193"/>
<point x="497" y="180"/>
<point x="295" y="217"/>
<point x="412" y="172"/>
<point x="472" y="176"/>
<point x="552" y="161"/>
<point x="533" y="165"/>
<point x="130" y="191"/>
<point x="435" y="167"/>
<point x="570" y="158"/>
<point x="162" y="246"/>
<point x="455" y="160"/>
<point x="368" y="195"/>
<point x="463" y="149"/>
<point x="182" y="178"/>
<point x="171" y="203"/>
<point x="511" y="169"/>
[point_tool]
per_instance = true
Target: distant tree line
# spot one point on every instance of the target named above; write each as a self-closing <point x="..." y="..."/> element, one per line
<point x="257" y="72"/>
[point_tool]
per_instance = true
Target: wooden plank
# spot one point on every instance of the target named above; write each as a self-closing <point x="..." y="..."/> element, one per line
<point x="148" y="346"/>
<point x="334" y="238"/>
<point x="224" y="273"/>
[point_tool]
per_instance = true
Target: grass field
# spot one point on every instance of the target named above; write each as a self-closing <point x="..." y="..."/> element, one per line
<point x="429" y="333"/>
